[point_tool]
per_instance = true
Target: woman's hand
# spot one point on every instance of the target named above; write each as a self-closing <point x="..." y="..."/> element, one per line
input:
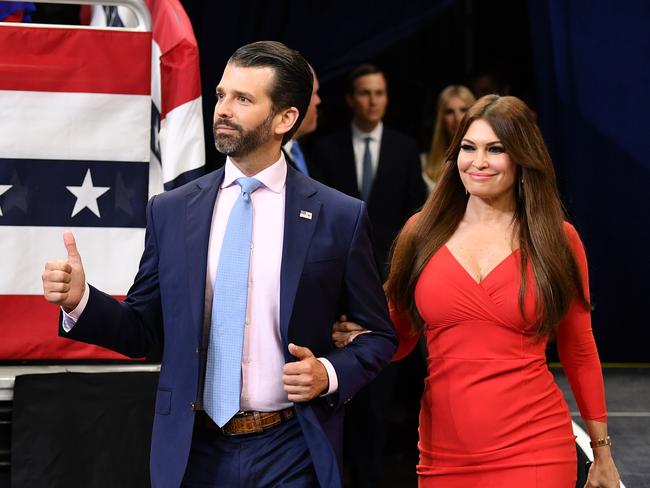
<point x="344" y="332"/>
<point x="603" y="472"/>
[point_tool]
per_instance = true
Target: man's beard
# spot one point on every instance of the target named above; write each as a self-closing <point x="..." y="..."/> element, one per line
<point x="244" y="142"/>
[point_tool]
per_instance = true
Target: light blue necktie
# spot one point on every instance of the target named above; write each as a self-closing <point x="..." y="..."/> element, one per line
<point x="299" y="158"/>
<point x="223" y="371"/>
<point x="366" y="178"/>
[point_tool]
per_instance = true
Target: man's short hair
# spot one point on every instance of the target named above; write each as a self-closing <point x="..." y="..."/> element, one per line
<point x="292" y="81"/>
<point x="358" y="72"/>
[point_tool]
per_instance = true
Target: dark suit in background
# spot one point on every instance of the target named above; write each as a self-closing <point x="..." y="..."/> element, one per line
<point x="314" y="171"/>
<point x="397" y="190"/>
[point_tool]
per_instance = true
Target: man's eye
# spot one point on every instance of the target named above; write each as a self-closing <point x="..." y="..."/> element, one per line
<point x="243" y="99"/>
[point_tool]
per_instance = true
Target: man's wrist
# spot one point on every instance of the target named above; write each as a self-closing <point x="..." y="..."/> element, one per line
<point x="332" y="380"/>
<point x="76" y="312"/>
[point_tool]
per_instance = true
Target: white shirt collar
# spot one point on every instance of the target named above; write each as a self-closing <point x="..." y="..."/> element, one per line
<point x="375" y="134"/>
<point x="273" y="177"/>
<point x="287" y="147"/>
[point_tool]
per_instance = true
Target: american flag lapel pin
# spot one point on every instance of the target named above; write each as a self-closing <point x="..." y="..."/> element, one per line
<point x="305" y="215"/>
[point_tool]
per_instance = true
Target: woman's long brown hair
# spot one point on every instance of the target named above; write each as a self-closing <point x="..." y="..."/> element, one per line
<point x="538" y="219"/>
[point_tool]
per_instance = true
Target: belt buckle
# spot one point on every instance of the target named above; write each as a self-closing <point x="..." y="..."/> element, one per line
<point x="231" y="428"/>
<point x="226" y="429"/>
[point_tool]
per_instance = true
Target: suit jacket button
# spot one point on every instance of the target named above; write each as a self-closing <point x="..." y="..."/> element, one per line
<point x="192" y="404"/>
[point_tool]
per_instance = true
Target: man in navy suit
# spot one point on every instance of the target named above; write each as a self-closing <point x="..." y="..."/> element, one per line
<point x="310" y="260"/>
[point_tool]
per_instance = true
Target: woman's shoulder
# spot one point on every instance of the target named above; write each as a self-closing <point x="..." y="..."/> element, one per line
<point x="575" y="243"/>
<point x="571" y="234"/>
<point x="407" y="232"/>
<point x="413" y="218"/>
<point x="409" y="225"/>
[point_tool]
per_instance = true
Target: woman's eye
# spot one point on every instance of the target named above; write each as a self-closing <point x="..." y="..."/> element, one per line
<point x="497" y="150"/>
<point x="466" y="147"/>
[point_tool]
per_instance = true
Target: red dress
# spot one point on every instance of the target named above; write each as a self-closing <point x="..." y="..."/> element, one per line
<point x="491" y="414"/>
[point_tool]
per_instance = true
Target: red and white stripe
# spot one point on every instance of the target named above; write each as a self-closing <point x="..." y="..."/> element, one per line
<point x="85" y="94"/>
<point x="176" y="90"/>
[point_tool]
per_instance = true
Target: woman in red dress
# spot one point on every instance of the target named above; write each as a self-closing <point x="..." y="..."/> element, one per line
<point x="490" y="271"/>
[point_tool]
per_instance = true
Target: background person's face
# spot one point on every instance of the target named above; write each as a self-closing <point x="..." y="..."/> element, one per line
<point x="453" y="113"/>
<point x="310" y="122"/>
<point x="369" y="99"/>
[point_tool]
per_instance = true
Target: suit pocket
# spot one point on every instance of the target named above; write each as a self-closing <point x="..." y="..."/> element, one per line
<point x="163" y="401"/>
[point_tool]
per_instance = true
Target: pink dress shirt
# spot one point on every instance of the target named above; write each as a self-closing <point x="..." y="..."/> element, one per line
<point x="262" y="355"/>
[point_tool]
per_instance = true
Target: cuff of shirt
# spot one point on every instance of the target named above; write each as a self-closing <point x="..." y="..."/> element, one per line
<point x="331" y="374"/>
<point x="70" y="319"/>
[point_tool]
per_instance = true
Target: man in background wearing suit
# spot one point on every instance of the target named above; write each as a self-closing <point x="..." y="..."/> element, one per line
<point x="373" y="162"/>
<point x="381" y="166"/>
<point x="292" y="150"/>
<point x="243" y="274"/>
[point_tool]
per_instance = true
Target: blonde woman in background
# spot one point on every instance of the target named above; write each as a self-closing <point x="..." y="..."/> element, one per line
<point x="453" y="102"/>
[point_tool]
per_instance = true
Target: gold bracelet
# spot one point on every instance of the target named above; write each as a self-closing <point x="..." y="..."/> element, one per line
<point x="605" y="441"/>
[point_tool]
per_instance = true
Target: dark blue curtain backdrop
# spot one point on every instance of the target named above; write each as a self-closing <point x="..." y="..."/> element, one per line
<point x="333" y="36"/>
<point x="592" y="61"/>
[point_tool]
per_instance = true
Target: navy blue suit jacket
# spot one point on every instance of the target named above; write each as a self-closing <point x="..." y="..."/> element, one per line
<point x="327" y="269"/>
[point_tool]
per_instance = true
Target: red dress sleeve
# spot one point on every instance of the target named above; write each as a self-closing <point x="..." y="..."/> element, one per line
<point x="408" y="337"/>
<point x="577" y="348"/>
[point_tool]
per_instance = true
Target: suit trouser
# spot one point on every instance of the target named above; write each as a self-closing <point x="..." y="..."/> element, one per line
<point x="277" y="457"/>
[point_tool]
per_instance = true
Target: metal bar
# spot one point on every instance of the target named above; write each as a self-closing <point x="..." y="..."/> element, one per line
<point x="138" y="7"/>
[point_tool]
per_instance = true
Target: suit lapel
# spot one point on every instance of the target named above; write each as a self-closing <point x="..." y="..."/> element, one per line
<point x="300" y="202"/>
<point x="348" y="167"/>
<point x="200" y="206"/>
<point x="383" y="166"/>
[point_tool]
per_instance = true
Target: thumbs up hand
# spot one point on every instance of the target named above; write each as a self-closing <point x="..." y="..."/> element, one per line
<point x="306" y="378"/>
<point x="64" y="281"/>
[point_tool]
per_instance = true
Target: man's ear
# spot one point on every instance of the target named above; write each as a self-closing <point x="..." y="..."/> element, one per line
<point x="285" y="120"/>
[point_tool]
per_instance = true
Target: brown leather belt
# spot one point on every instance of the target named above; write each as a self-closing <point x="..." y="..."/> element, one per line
<point x="245" y="422"/>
